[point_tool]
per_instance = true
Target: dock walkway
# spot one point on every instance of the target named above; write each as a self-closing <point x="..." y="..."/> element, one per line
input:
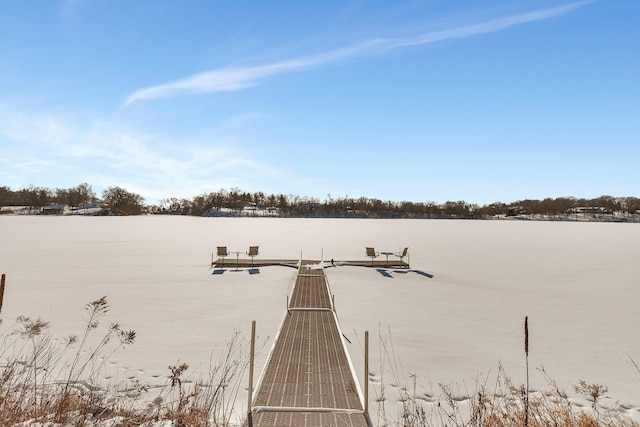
<point x="308" y="379"/>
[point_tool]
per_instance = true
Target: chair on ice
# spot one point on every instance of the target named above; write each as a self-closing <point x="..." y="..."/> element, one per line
<point x="403" y="254"/>
<point x="222" y="253"/>
<point x="371" y="253"/>
<point x="253" y="252"/>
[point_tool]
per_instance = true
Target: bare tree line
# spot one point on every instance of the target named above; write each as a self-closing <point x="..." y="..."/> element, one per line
<point x="37" y="197"/>
<point x="114" y="199"/>
<point x="238" y="202"/>
<point x="215" y="203"/>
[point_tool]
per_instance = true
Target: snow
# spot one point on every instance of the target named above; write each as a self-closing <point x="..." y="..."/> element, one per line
<point x="452" y="319"/>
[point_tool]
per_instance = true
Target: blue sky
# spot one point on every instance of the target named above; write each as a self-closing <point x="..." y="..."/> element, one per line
<point x="430" y="100"/>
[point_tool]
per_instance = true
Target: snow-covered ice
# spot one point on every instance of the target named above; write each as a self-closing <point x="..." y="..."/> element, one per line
<point x="452" y="319"/>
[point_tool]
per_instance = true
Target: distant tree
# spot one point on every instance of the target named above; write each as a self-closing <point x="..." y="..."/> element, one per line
<point x="200" y="204"/>
<point x="164" y="202"/>
<point x="458" y="209"/>
<point x="175" y="205"/>
<point x="234" y="199"/>
<point x="218" y="198"/>
<point x="75" y="196"/>
<point x="259" y="199"/>
<point x="82" y="194"/>
<point x="61" y="195"/>
<point x="495" y="209"/>
<point x="283" y="204"/>
<point x="608" y="203"/>
<point x="272" y="201"/>
<point x="7" y="196"/>
<point x="630" y="205"/>
<point x="123" y="201"/>
<point x="35" y="197"/>
<point x="565" y="205"/>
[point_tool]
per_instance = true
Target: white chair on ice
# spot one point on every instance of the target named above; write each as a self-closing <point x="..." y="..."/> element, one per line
<point x="371" y="253"/>
<point x="222" y="253"/>
<point x="253" y="252"/>
<point x="403" y="254"/>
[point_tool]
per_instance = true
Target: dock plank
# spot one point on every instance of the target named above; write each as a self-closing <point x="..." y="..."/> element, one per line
<point x="308" y="379"/>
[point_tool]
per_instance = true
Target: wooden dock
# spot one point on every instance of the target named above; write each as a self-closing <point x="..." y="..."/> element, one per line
<point x="308" y="379"/>
<point x="243" y="263"/>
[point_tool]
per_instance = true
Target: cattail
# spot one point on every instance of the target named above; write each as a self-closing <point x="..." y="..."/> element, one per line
<point x="2" y="291"/>
<point x="526" y="335"/>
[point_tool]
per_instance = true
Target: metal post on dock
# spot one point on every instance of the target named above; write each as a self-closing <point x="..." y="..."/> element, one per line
<point x="366" y="374"/>
<point x="2" y="290"/>
<point x="251" y="360"/>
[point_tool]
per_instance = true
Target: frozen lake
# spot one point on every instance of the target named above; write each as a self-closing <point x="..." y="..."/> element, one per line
<point x="579" y="284"/>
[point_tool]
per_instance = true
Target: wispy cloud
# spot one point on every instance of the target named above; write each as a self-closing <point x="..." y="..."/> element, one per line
<point x="106" y="154"/>
<point x="490" y="26"/>
<point x="237" y="78"/>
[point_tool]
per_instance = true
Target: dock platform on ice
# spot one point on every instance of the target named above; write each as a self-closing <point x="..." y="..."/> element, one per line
<point x="232" y="262"/>
<point x="308" y="379"/>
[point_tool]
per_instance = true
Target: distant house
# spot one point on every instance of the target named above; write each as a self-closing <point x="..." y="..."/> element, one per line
<point x="516" y="210"/>
<point x="54" y="209"/>
<point x="593" y="210"/>
<point x="249" y="210"/>
<point x="94" y="204"/>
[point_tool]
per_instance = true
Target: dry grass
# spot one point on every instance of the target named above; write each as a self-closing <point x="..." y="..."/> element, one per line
<point x="45" y="383"/>
<point x="403" y="402"/>
<point x="501" y="406"/>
